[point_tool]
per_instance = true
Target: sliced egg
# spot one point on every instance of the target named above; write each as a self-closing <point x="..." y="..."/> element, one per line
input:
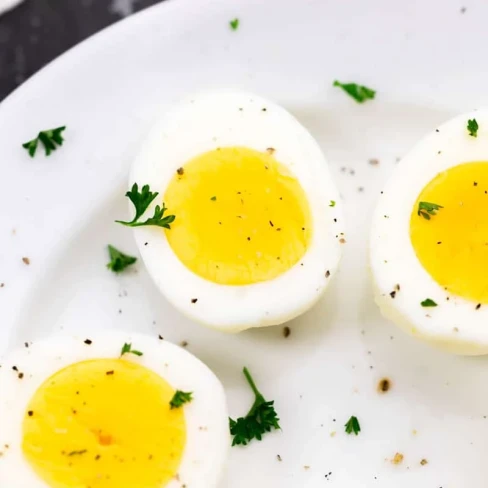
<point x="258" y="223"/>
<point x="76" y="412"/>
<point x="429" y="241"/>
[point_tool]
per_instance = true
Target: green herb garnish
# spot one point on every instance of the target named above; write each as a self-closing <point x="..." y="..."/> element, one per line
<point x="332" y="203"/>
<point x="50" y="139"/>
<point x="427" y="209"/>
<point x="141" y="201"/>
<point x="127" y="349"/>
<point x="213" y="199"/>
<point x="118" y="260"/>
<point x="260" y="419"/>
<point x="352" y="426"/>
<point x="234" y="24"/>
<point x="77" y="453"/>
<point x="473" y="127"/>
<point x="180" y="398"/>
<point x="428" y="302"/>
<point x="360" y="93"/>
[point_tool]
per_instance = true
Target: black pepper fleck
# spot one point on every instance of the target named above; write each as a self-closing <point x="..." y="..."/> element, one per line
<point x="194" y="300"/>
<point x="384" y="385"/>
<point x="88" y="342"/>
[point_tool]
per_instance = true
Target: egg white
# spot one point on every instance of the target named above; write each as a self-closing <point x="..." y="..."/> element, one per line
<point x="455" y="324"/>
<point x="206" y="448"/>
<point x="212" y="120"/>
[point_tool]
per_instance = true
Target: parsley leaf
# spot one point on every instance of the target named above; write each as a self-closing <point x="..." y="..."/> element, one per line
<point x="427" y="209"/>
<point x="180" y="398"/>
<point x="428" y="302"/>
<point x="352" y="426"/>
<point x="260" y="419"/>
<point x="50" y="139"/>
<point x="141" y="201"/>
<point x="234" y="24"/>
<point x="332" y="203"/>
<point x="360" y="93"/>
<point x="127" y="349"/>
<point x="118" y="260"/>
<point x="473" y="127"/>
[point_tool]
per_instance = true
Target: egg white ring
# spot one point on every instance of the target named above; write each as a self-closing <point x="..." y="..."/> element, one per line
<point x="206" y="122"/>
<point x="454" y="324"/>
<point x="207" y="424"/>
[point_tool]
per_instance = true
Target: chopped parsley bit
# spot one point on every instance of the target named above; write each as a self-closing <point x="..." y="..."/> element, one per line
<point x="141" y="202"/>
<point x="77" y="453"/>
<point x="127" y="349"/>
<point x="260" y="419"/>
<point x="50" y="139"/>
<point x="180" y="398"/>
<point x="352" y="426"/>
<point x="360" y="93"/>
<point x="234" y="24"/>
<point x="332" y="203"/>
<point x="473" y="127"/>
<point x="213" y="199"/>
<point x="427" y="209"/>
<point x="428" y="302"/>
<point x="118" y="260"/>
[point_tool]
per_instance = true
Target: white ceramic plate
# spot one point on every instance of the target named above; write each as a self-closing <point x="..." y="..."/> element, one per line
<point x="426" y="60"/>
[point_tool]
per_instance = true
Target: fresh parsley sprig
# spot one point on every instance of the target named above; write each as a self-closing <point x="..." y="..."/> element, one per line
<point x="352" y="426"/>
<point x="360" y="93"/>
<point x="234" y="24"/>
<point x="427" y="209"/>
<point x="50" y="139"/>
<point x="260" y="419"/>
<point x="473" y="127"/>
<point x="141" y="201"/>
<point x="180" y="398"/>
<point x="127" y="349"/>
<point x="118" y="260"/>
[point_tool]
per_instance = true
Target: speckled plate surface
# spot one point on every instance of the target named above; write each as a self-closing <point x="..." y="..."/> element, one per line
<point x="426" y="61"/>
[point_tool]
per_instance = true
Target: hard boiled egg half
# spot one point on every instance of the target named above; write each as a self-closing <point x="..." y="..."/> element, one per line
<point x="429" y="241"/>
<point x="81" y="412"/>
<point x="258" y="224"/>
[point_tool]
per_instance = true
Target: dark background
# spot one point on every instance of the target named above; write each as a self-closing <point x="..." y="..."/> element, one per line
<point x="37" y="31"/>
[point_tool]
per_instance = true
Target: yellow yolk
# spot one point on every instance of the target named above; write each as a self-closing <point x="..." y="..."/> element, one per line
<point x="104" y="423"/>
<point x="453" y="244"/>
<point x="241" y="216"/>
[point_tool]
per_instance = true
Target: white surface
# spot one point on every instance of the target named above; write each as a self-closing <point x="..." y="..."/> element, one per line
<point x="226" y="119"/>
<point x="426" y="61"/>
<point x="455" y="324"/>
<point x="205" y="449"/>
<point x="8" y="5"/>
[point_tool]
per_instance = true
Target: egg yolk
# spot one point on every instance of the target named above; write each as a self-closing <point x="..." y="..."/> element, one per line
<point x="104" y="423"/>
<point x="451" y="241"/>
<point x="241" y="216"/>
